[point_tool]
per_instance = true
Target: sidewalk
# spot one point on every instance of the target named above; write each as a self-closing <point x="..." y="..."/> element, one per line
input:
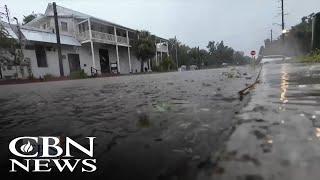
<point x="277" y="135"/>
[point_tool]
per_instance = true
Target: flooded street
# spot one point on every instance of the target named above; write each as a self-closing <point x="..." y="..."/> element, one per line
<point x="160" y="90"/>
<point x="277" y="136"/>
<point x="156" y="126"/>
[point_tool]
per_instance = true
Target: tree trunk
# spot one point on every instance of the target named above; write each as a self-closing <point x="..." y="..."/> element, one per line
<point x="16" y="72"/>
<point x="151" y="65"/>
<point x="142" y="63"/>
<point x="0" y="71"/>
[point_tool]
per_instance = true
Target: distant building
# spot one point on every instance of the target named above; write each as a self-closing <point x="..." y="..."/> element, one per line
<point x="88" y="43"/>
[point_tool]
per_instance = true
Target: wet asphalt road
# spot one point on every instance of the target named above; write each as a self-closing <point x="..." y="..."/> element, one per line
<point x="157" y="126"/>
<point x="278" y="133"/>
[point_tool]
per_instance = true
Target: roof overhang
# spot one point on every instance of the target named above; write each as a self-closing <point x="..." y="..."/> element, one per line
<point x="47" y="37"/>
<point x="11" y="34"/>
<point x="10" y="31"/>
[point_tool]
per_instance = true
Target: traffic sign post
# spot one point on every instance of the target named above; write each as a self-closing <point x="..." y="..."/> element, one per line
<point x="253" y="54"/>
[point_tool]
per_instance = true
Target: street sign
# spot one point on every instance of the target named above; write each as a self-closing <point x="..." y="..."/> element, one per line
<point x="253" y="53"/>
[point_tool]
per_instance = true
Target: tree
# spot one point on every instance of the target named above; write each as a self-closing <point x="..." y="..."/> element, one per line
<point x="220" y="53"/>
<point x="144" y="47"/>
<point x="9" y="55"/>
<point x="10" y="50"/>
<point x="167" y="64"/>
<point x="28" y="18"/>
<point x="203" y="57"/>
<point x="215" y="54"/>
<point x="212" y="47"/>
<point x="6" y="41"/>
<point x="297" y="40"/>
<point x="174" y="45"/>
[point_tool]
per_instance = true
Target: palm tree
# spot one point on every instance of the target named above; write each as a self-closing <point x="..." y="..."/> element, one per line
<point x="144" y="47"/>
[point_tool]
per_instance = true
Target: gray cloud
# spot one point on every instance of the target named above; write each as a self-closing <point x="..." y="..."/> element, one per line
<point x="241" y="24"/>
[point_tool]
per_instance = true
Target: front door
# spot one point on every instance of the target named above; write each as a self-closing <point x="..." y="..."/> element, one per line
<point x="74" y="62"/>
<point x="104" y="61"/>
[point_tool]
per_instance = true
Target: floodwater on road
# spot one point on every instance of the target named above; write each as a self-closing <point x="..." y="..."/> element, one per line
<point x="156" y="126"/>
<point x="278" y="133"/>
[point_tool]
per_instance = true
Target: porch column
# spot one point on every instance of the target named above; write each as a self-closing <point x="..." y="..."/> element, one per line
<point x="150" y="64"/>
<point x="168" y="49"/>
<point x="92" y="52"/>
<point x="161" y="51"/>
<point x="129" y="54"/>
<point x="157" y="58"/>
<point x="156" y="53"/>
<point x="91" y="43"/>
<point x="117" y="48"/>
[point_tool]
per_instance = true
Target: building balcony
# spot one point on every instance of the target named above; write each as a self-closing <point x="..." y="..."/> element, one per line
<point x="162" y="47"/>
<point x="102" y="38"/>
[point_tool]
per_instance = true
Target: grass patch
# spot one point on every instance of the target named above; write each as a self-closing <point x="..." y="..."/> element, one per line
<point x="314" y="57"/>
<point x="48" y="77"/>
<point x="144" y="121"/>
<point x="78" y="75"/>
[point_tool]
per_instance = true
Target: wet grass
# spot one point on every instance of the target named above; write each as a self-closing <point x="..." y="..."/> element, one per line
<point x="314" y="57"/>
<point x="144" y="121"/>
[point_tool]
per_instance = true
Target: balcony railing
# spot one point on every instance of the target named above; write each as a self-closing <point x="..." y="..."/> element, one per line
<point x="162" y="48"/>
<point x="83" y="36"/>
<point x="102" y="37"/>
<point x="122" y="40"/>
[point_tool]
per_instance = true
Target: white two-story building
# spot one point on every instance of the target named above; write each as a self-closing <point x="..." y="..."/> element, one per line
<point x="88" y="43"/>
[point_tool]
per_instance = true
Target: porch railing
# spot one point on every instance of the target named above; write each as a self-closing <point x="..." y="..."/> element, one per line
<point x="122" y="40"/>
<point x="82" y="36"/>
<point x="94" y="72"/>
<point x="162" y="48"/>
<point x="102" y="37"/>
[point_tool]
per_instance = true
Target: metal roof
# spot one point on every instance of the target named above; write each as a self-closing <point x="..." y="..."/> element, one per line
<point x="65" y="12"/>
<point x="41" y="36"/>
<point x="11" y="33"/>
<point x="9" y="29"/>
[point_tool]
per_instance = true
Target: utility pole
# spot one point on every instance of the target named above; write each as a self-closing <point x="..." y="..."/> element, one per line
<point x="176" y="46"/>
<point x="282" y="14"/>
<point x="7" y="14"/>
<point x="199" y="60"/>
<point x="19" y="32"/>
<point x="58" y="38"/>
<point x="271" y="38"/>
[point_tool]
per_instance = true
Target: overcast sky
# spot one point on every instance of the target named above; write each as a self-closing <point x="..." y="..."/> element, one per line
<point x="242" y="24"/>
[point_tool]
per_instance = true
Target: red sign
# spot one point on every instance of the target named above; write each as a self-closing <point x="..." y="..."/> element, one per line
<point x="253" y="53"/>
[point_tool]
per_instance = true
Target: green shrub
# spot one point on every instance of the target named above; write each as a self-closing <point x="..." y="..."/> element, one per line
<point x="156" y="68"/>
<point x="48" y="77"/>
<point x="314" y="57"/>
<point x="31" y="77"/>
<point x="167" y="64"/>
<point x="78" y="75"/>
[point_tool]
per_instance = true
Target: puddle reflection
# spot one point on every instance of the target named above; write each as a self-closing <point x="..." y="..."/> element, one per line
<point x="317" y="132"/>
<point x="284" y="85"/>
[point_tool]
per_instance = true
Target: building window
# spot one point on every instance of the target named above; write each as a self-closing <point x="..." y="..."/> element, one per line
<point x="41" y="56"/>
<point x="64" y="26"/>
<point x="82" y="27"/>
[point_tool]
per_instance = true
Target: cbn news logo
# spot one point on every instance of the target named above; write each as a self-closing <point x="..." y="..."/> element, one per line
<point x="41" y="154"/>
